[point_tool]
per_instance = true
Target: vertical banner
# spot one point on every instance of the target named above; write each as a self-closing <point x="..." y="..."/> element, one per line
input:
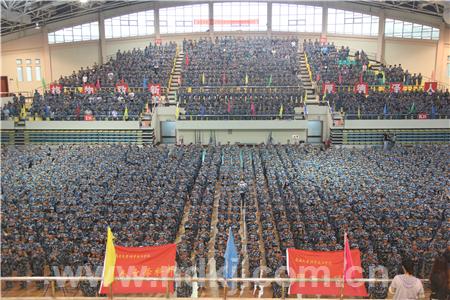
<point x="362" y="88"/>
<point x="154" y="89"/>
<point x="122" y="88"/>
<point x="56" y="89"/>
<point x="395" y="87"/>
<point x="156" y="261"/>
<point x="324" y="264"/>
<point x="328" y="88"/>
<point x="88" y="88"/>
<point x="430" y="87"/>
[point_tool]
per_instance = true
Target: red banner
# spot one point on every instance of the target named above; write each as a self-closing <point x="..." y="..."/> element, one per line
<point x="422" y="116"/>
<point x="88" y="117"/>
<point x="88" y="88"/>
<point x="154" y="89"/>
<point x="324" y="264"/>
<point x="362" y="87"/>
<point x="395" y="87"/>
<point x="329" y="88"/>
<point x="122" y="88"/>
<point x="157" y="261"/>
<point x="56" y="89"/>
<point x="430" y="87"/>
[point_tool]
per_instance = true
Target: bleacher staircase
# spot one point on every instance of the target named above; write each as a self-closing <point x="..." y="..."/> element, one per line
<point x="175" y="78"/>
<point x="311" y="97"/>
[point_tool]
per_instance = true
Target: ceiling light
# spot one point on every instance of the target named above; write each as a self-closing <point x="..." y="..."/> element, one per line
<point x="83" y="1"/>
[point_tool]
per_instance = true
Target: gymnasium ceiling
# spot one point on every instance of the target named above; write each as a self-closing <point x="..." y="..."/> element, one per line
<point x="20" y="15"/>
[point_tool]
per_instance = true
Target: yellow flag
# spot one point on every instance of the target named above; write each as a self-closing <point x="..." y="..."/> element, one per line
<point x="305" y="97"/>
<point x="203" y="78"/>
<point x="110" y="260"/>
<point x="125" y="113"/>
<point x="246" y="79"/>
<point x="177" y="112"/>
<point x="281" y="111"/>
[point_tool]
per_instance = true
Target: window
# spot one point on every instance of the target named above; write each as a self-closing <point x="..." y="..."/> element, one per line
<point x="28" y="61"/>
<point x="403" y="29"/>
<point x="352" y="23"/>
<point x="136" y="24"/>
<point x="297" y="18"/>
<point x="37" y="61"/>
<point x="181" y="19"/>
<point x="29" y="73"/>
<point x="246" y="16"/>
<point x="19" y="74"/>
<point x="18" y="61"/>
<point x="83" y="32"/>
<point x="448" y="69"/>
<point x="38" y="73"/>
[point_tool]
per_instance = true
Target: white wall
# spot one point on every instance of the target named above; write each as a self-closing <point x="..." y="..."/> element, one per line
<point x="414" y="55"/>
<point x="397" y="124"/>
<point x="66" y="58"/>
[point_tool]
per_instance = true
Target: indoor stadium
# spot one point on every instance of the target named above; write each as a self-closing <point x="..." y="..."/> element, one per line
<point x="225" y="149"/>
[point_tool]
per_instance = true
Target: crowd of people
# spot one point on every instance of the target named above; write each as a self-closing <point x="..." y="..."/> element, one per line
<point x="262" y="102"/>
<point x="58" y="201"/>
<point x="237" y="61"/>
<point x="134" y="67"/>
<point x="330" y="64"/>
<point x="391" y="104"/>
<point x="102" y="105"/>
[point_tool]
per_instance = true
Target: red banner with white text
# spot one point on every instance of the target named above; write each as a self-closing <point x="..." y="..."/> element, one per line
<point x="430" y="87"/>
<point x="324" y="264"/>
<point x="56" y="89"/>
<point x="395" y="87"/>
<point x="154" y="89"/>
<point x="88" y="88"/>
<point x="156" y="261"/>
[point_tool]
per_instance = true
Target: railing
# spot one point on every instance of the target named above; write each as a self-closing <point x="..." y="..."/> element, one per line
<point x="283" y="282"/>
<point x="399" y="116"/>
<point x="373" y="88"/>
<point x="239" y="88"/>
<point x="235" y="117"/>
<point x="110" y="89"/>
<point x="119" y="117"/>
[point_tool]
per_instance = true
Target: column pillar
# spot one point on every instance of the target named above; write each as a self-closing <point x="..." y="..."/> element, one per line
<point x="269" y="18"/>
<point x="102" y="39"/>
<point x="324" y="19"/>
<point x="440" y="63"/>
<point x="46" y="58"/>
<point x="211" y="19"/>
<point x="381" y="41"/>
<point x="157" y="31"/>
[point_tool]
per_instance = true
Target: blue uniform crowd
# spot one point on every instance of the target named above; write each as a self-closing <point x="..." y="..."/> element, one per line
<point x="57" y="202"/>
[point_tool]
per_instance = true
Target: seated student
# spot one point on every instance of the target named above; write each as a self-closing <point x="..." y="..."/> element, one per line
<point x="406" y="286"/>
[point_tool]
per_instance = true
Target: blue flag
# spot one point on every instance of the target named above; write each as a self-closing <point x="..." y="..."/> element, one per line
<point x="231" y="258"/>
<point x="433" y="111"/>
<point x="385" y="110"/>
<point x="202" y="110"/>
<point x="144" y="83"/>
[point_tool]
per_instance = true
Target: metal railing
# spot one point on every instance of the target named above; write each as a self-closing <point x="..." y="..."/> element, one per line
<point x="283" y="282"/>
<point x="234" y="117"/>
<point x="400" y="116"/>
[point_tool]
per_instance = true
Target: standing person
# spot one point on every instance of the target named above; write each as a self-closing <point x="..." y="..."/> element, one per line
<point x="242" y="190"/>
<point x="406" y="286"/>
<point x="439" y="279"/>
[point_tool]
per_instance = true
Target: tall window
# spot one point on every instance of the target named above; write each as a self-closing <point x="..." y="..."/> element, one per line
<point x="246" y="16"/>
<point x="297" y="18"/>
<point x="38" y="73"/>
<point x="349" y="22"/>
<point x="137" y="24"/>
<point x="83" y="32"/>
<point x="19" y="74"/>
<point x="403" y="29"/>
<point x="181" y="19"/>
<point x="29" y="73"/>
